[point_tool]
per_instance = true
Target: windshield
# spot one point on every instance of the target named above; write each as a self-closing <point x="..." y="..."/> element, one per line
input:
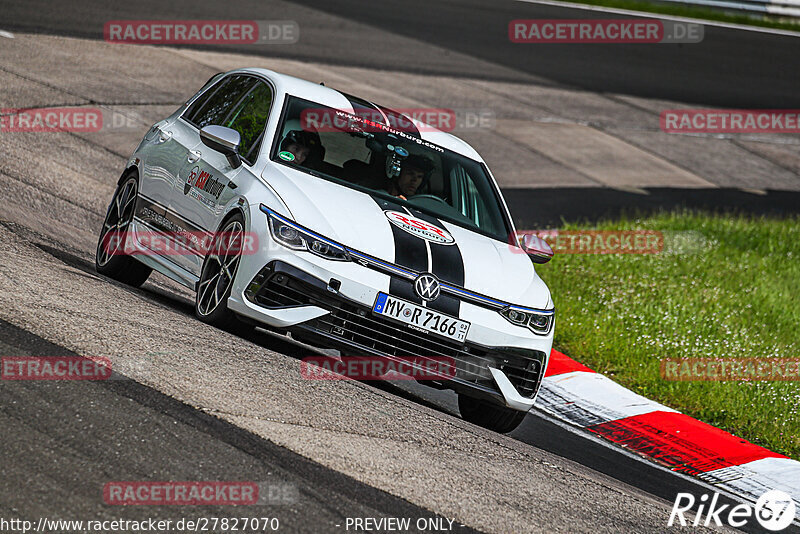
<point x="391" y="162"/>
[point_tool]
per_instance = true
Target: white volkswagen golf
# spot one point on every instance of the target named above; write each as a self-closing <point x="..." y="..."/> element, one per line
<point x="376" y="235"/>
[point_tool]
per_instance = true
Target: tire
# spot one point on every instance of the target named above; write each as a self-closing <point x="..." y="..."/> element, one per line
<point x="217" y="276"/>
<point x="488" y="415"/>
<point x="110" y="258"/>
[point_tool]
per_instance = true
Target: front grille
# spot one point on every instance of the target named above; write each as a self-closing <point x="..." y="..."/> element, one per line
<point x="358" y="327"/>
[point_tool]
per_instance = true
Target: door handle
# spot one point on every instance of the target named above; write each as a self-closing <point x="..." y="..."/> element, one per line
<point x="163" y="136"/>
<point x="194" y="155"/>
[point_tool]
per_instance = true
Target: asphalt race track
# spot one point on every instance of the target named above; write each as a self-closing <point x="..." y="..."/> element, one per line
<point x="729" y="68"/>
<point x="84" y="432"/>
<point x="192" y="403"/>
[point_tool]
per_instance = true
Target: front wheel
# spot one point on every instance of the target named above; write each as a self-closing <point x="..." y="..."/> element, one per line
<point x="217" y="275"/>
<point x="488" y="415"/>
<point x="111" y="259"/>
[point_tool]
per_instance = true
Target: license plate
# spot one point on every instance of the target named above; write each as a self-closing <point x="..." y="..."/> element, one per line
<point x="420" y="317"/>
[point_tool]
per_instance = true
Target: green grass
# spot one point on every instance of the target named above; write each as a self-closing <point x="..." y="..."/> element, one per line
<point x="697" y="12"/>
<point x="724" y="286"/>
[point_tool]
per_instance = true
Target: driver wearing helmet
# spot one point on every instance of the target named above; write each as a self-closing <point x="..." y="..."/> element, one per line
<point x="414" y="171"/>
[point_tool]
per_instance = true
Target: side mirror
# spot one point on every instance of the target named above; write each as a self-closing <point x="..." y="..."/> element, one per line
<point x="223" y="140"/>
<point x="536" y="248"/>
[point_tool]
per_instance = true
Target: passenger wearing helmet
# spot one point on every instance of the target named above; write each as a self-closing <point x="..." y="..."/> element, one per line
<point x="299" y="142"/>
<point x="414" y="171"/>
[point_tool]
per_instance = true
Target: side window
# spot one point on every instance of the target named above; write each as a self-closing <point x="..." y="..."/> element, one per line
<point x="218" y="106"/>
<point x="191" y="111"/>
<point x="249" y="118"/>
<point x="470" y="202"/>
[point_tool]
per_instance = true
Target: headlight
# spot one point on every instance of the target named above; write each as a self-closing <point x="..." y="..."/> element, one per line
<point x="537" y="322"/>
<point x="295" y="237"/>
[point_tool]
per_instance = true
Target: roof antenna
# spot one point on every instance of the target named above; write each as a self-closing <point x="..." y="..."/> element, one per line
<point x="322" y="84"/>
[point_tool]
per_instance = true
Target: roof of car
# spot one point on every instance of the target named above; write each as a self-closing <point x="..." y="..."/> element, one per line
<point x="330" y="97"/>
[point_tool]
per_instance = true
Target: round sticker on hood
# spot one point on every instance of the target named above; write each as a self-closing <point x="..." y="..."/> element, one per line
<point x="418" y="227"/>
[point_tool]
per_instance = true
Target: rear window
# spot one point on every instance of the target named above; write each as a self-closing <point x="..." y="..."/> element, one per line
<point x="239" y="102"/>
<point x="217" y="102"/>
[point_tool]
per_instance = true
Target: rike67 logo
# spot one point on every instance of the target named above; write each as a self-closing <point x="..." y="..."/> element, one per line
<point x="774" y="511"/>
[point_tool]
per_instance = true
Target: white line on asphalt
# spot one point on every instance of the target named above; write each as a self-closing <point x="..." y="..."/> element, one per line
<point x="619" y="11"/>
<point x="6" y="34"/>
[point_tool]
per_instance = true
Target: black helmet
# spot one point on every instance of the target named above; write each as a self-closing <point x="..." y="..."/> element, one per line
<point x="422" y="163"/>
<point x="301" y="138"/>
<point x="295" y="133"/>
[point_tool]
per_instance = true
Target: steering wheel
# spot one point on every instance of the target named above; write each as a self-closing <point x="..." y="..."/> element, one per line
<point x="428" y="196"/>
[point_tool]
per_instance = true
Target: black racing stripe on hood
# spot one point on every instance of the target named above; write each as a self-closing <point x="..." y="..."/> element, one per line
<point x="409" y="252"/>
<point x="447" y="264"/>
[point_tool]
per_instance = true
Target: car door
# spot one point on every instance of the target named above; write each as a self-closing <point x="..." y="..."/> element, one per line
<point x="167" y="151"/>
<point x="209" y="180"/>
<point x="164" y="156"/>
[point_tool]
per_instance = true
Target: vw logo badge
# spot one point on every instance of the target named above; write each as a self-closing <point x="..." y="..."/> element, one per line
<point x="427" y="286"/>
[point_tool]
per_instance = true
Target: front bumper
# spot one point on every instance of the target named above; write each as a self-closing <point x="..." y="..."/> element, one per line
<point x="285" y="296"/>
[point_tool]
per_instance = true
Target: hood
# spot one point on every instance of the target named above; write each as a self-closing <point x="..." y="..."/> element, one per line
<point x="414" y="240"/>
